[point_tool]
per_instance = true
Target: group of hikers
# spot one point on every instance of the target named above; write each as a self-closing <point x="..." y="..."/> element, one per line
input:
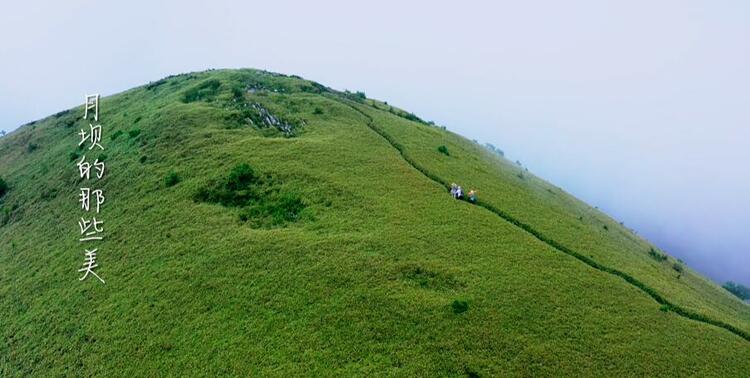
<point x="458" y="193"/>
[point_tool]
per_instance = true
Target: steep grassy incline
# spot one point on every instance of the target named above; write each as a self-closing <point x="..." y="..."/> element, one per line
<point x="667" y="305"/>
<point x="561" y="219"/>
<point x="213" y="270"/>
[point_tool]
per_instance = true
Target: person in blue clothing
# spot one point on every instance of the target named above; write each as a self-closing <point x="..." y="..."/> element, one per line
<point x="473" y="196"/>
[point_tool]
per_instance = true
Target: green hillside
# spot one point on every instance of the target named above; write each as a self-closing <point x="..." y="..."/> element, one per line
<point x="262" y="224"/>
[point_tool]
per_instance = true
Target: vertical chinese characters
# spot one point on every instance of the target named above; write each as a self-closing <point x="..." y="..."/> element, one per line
<point x="91" y="200"/>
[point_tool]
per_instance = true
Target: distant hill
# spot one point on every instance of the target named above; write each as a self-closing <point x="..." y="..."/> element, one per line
<point x="263" y="224"/>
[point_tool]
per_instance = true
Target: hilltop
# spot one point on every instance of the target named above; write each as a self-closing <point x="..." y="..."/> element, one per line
<point x="264" y="224"/>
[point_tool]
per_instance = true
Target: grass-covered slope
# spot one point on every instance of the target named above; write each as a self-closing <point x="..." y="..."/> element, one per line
<point x="258" y="224"/>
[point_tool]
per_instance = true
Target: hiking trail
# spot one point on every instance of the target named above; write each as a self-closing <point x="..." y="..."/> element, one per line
<point x="666" y="305"/>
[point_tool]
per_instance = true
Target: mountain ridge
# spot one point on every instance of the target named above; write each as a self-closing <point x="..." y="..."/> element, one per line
<point x="378" y="265"/>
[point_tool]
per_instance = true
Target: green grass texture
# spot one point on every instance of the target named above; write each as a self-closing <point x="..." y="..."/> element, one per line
<point x="259" y="224"/>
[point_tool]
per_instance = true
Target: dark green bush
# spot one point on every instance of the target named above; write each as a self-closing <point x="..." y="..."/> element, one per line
<point x="154" y="84"/>
<point x="471" y="373"/>
<point x="443" y="150"/>
<point x="238" y="189"/>
<point x="241" y="177"/>
<point x="31" y="147"/>
<point x="116" y="134"/>
<point x="143" y="159"/>
<point x="318" y="111"/>
<point x="74" y="155"/>
<point x="205" y="91"/>
<point x="677" y="267"/>
<point x="134" y="133"/>
<point x="356" y="96"/>
<point x="413" y="117"/>
<point x="262" y="201"/>
<point x="657" y="255"/>
<point x="494" y="149"/>
<point x="172" y="179"/>
<point x="459" y="306"/>
<point x="3" y="187"/>
<point x="67" y="121"/>
<point x="313" y="87"/>
<point x="742" y="292"/>
<point x="238" y="93"/>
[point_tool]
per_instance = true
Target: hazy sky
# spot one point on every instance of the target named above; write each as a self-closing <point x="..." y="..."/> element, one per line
<point x="639" y="107"/>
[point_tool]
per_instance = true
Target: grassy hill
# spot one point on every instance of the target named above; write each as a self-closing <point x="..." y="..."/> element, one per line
<point x="262" y="224"/>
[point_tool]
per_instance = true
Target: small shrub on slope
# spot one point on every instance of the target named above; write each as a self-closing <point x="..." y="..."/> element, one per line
<point x="262" y="201"/>
<point x="459" y="306"/>
<point x="3" y="187"/>
<point x="657" y="255"/>
<point x="172" y="179"/>
<point x="205" y="91"/>
<point x="677" y="267"/>
<point x="738" y="290"/>
<point x="134" y="133"/>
